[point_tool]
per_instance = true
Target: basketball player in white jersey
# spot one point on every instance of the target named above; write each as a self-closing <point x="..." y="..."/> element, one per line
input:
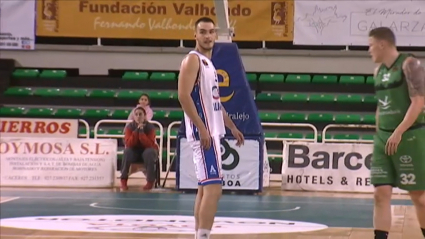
<point x="205" y="119"/>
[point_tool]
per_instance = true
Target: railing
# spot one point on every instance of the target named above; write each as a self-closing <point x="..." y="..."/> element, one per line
<point x="283" y="140"/>
<point x="181" y="44"/>
<point x="325" y="130"/>
<point x="87" y="134"/>
<point x="107" y="121"/>
<point x="170" y="137"/>
<point x="278" y="177"/>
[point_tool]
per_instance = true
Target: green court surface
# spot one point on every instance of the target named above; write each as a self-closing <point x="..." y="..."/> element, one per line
<point x="332" y="212"/>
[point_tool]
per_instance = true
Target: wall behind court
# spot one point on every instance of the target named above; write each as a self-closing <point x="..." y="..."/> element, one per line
<point x="97" y="60"/>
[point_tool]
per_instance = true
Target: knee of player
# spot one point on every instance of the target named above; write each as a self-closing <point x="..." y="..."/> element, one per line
<point x="383" y="193"/>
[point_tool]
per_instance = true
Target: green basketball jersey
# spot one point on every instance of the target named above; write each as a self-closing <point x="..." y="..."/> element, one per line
<point x="393" y="95"/>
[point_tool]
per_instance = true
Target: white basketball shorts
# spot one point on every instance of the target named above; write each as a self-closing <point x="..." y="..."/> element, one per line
<point x="208" y="162"/>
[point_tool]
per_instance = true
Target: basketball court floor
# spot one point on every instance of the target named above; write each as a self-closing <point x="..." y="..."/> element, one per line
<point x="93" y="214"/>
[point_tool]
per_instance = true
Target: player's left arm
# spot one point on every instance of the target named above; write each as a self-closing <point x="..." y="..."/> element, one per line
<point x="415" y="77"/>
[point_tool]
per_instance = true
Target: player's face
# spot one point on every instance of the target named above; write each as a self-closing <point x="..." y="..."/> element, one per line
<point x="139" y="116"/>
<point x="205" y="35"/>
<point x="376" y="49"/>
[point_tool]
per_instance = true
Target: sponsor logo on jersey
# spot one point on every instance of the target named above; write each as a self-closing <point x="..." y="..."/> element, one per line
<point x="204" y="62"/>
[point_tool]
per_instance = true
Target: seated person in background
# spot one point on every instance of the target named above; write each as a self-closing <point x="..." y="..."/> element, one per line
<point x="144" y="102"/>
<point x="140" y="147"/>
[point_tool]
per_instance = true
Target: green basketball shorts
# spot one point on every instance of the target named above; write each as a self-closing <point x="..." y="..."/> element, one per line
<point x="406" y="168"/>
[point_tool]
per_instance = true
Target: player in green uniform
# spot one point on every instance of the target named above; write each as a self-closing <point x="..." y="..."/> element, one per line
<point x="399" y="146"/>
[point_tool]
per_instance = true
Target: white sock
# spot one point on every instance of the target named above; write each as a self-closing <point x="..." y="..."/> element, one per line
<point x="203" y="234"/>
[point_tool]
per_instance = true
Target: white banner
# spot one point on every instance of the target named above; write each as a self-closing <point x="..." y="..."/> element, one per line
<point x="328" y="167"/>
<point x="349" y="22"/>
<point x="17" y="24"/>
<point x="58" y="162"/>
<point x="241" y="168"/>
<point x="38" y="128"/>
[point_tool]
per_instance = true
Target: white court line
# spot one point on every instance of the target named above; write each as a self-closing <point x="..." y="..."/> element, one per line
<point x="341" y="202"/>
<point x="95" y="205"/>
<point x="127" y="237"/>
<point x="9" y="199"/>
<point x="87" y="236"/>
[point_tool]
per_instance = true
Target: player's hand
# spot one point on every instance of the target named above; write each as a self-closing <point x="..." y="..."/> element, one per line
<point x="392" y="143"/>
<point x="205" y="138"/>
<point x="238" y="136"/>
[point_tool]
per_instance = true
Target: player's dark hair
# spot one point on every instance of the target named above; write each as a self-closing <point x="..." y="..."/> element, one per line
<point x="383" y="33"/>
<point x="204" y="19"/>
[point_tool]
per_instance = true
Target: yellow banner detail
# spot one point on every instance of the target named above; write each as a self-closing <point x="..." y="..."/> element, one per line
<point x="253" y="20"/>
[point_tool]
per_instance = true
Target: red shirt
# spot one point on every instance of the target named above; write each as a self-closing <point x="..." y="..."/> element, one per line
<point x="143" y="138"/>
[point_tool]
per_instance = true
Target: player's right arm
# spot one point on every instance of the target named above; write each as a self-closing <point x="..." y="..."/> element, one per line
<point x="375" y="72"/>
<point x="187" y="79"/>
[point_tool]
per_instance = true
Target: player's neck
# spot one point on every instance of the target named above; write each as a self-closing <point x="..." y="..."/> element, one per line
<point x="391" y="58"/>
<point x="206" y="53"/>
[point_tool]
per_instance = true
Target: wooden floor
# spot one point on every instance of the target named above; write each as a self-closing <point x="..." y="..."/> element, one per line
<point x="405" y="225"/>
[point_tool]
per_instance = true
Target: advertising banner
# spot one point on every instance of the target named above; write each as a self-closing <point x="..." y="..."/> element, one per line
<point x="17" y="24"/>
<point x="38" y="128"/>
<point x="242" y="166"/>
<point x="327" y="167"/>
<point x="253" y="20"/>
<point x="58" y="162"/>
<point x="349" y="22"/>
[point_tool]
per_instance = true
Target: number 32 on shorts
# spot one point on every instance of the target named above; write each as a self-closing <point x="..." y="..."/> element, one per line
<point x="407" y="179"/>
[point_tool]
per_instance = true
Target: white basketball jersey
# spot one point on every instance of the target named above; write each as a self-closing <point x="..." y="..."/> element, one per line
<point x="206" y="96"/>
